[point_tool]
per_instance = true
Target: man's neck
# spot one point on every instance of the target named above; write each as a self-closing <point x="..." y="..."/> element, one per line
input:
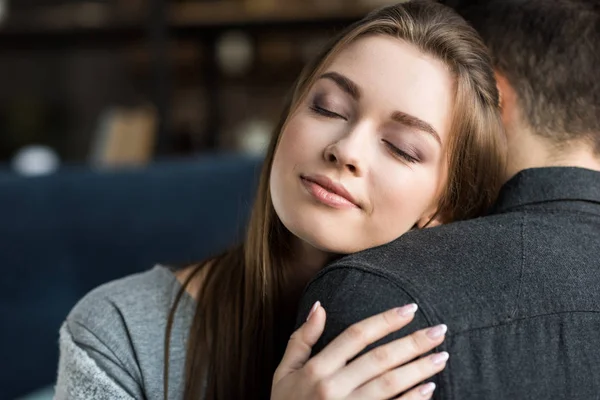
<point x="527" y="150"/>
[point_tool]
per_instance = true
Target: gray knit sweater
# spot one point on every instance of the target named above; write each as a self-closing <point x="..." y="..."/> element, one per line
<point x="112" y="342"/>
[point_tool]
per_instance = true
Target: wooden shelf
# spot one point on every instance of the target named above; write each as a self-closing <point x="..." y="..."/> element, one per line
<point x="227" y="14"/>
<point x="92" y="25"/>
<point x="73" y="25"/>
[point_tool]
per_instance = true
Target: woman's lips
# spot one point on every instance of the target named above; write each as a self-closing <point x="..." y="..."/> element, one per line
<point x="328" y="192"/>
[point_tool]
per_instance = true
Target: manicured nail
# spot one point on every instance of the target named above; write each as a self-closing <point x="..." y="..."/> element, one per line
<point x="427" y="389"/>
<point x="407" y="310"/>
<point x="437" y="331"/>
<point x="440" y="358"/>
<point x="313" y="309"/>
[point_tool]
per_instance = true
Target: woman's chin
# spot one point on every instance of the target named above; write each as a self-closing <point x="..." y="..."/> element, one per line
<point x="335" y="243"/>
<point x="328" y="235"/>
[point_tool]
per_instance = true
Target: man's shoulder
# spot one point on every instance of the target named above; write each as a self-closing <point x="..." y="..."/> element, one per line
<point x="466" y="271"/>
<point x="439" y="249"/>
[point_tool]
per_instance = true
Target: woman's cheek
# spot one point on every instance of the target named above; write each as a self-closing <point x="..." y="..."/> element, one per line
<point x="408" y="193"/>
<point x="299" y="133"/>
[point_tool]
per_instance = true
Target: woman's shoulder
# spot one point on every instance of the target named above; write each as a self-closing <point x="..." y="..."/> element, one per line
<point x="142" y="296"/>
<point x="121" y="325"/>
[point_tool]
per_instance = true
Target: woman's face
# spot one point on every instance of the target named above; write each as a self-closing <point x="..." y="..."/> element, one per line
<point x="361" y="160"/>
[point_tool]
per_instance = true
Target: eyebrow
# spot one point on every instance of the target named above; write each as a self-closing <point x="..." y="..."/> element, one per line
<point x="414" y="122"/>
<point x="344" y="83"/>
<point x="353" y="90"/>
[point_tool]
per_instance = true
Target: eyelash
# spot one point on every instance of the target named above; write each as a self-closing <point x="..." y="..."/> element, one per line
<point x="326" y="113"/>
<point x="399" y="153"/>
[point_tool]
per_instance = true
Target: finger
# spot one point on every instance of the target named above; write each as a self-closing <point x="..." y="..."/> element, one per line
<point x="358" y="336"/>
<point x="423" y="392"/>
<point x="301" y="342"/>
<point x="389" y="356"/>
<point x="400" y="379"/>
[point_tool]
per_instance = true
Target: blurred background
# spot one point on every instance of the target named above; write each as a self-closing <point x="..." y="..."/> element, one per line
<point x="131" y="81"/>
<point x="131" y="133"/>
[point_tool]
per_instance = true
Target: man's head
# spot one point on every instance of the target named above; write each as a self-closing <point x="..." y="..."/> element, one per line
<point x="547" y="58"/>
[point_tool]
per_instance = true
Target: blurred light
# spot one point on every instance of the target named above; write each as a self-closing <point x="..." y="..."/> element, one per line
<point x="92" y="14"/>
<point x="35" y="160"/>
<point x="253" y="136"/>
<point x="381" y="3"/>
<point x="235" y="53"/>
<point x="3" y="9"/>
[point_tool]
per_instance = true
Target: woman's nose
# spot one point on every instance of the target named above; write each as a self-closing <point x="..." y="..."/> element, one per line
<point x="349" y="152"/>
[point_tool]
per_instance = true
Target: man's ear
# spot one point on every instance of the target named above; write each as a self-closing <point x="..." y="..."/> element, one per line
<point x="508" y="97"/>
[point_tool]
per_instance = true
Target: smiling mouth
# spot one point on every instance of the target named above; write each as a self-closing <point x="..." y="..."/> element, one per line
<point x="325" y="194"/>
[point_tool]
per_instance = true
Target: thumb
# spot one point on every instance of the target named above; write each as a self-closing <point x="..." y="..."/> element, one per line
<point x="301" y="342"/>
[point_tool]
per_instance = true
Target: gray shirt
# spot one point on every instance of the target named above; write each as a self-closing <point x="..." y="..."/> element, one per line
<point x="121" y="326"/>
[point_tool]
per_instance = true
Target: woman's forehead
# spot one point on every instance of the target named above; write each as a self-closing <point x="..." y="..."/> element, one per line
<point x="394" y="75"/>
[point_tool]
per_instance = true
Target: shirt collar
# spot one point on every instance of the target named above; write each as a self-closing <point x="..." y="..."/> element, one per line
<point x="542" y="185"/>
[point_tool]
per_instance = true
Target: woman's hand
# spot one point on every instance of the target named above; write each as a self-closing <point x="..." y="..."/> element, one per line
<point x="382" y="373"/>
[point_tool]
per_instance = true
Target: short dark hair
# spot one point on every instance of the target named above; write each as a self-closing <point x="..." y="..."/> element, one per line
<point x="549" y="50"/>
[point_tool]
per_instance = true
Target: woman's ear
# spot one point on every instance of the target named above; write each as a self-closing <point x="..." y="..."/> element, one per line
<point x="430" y="221"/>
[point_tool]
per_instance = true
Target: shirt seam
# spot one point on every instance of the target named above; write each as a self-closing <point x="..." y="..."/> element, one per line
<point x="515" y="311"/>
<point x="524" y="208"/>
<point x="367" y="270"/>
<point x="517" y="320"/>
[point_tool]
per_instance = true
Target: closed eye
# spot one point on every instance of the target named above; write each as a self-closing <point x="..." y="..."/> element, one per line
<point x="326" y="113"/>
<point x="400" y="153"/>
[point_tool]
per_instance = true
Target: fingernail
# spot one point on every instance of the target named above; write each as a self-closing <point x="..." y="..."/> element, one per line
<point x="437" y="331"/>
<point x="407" y="310"/>
<point x="427" y="389"/>
<point x="313" y="309"/>
<point x="440" y="358"/>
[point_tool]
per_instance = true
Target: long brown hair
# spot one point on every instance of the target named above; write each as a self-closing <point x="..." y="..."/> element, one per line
<point x="235" y="341"/>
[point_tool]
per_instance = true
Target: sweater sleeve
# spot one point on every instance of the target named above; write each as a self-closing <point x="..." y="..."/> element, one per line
<point x="97" y="356"/>
<point x="114" y="339"/>
<point x="81" y="377"/>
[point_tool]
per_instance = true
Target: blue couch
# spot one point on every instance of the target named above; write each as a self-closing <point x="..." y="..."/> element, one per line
<point x="63" y="234"/>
